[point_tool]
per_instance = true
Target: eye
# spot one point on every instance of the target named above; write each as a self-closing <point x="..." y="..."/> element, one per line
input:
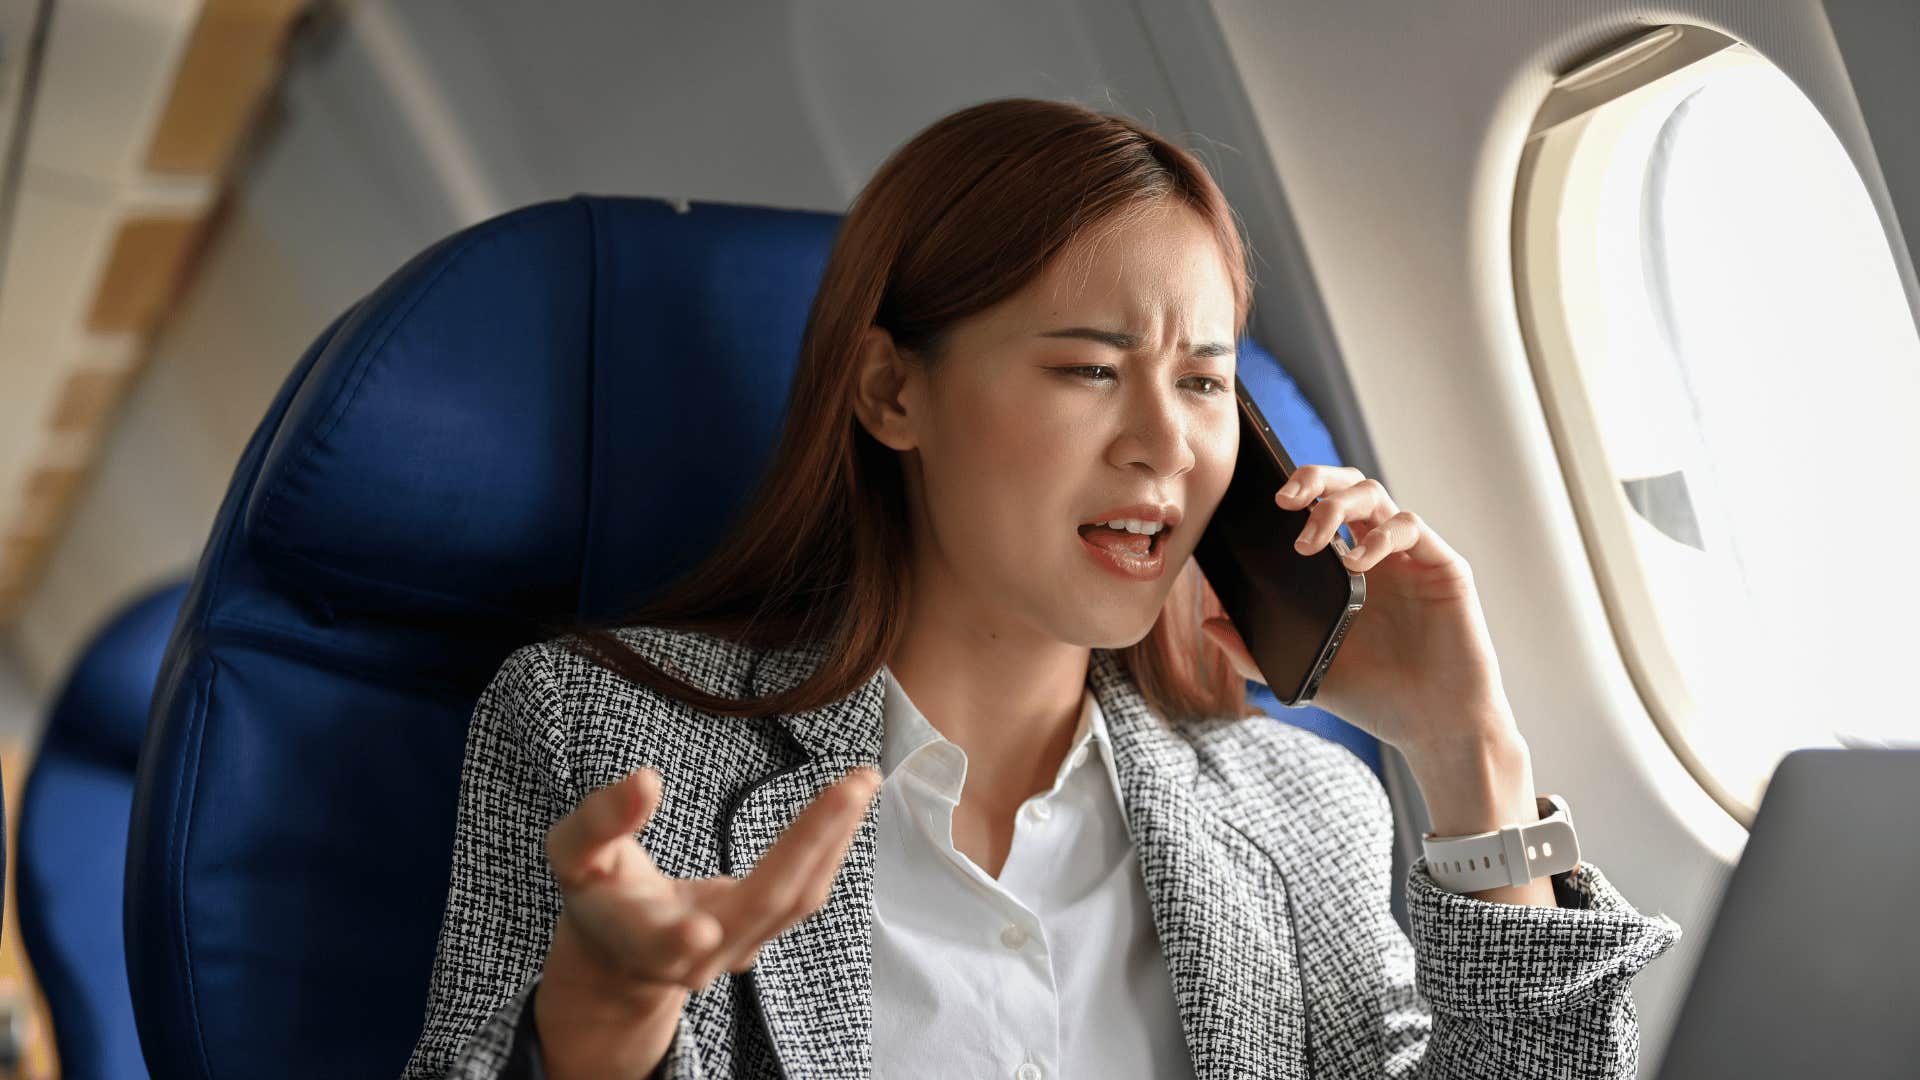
<point x="1089" y="367"/>
<point x="1217" y="386"/>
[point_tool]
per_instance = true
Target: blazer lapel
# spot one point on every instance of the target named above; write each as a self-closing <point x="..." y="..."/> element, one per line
<point x="1219" y="905"/>
<point x="814" y="983"/>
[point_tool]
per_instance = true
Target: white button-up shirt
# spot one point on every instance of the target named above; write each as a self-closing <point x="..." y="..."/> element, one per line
<point x="1053" y="969"/>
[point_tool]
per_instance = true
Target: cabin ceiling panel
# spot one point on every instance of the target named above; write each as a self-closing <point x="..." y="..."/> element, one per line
<point x="128" y="115"/>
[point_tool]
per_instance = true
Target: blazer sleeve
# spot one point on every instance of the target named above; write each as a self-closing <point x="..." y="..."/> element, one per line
<point x="1491" y="991"/>
<point x="516" y="781"/>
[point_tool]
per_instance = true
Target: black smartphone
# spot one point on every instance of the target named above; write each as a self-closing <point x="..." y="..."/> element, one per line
<point x="1292" y="610"/>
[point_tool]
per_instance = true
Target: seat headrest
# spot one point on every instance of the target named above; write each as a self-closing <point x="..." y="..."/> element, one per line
<point x="568" y="355"/>
<point x="101" y="711"/>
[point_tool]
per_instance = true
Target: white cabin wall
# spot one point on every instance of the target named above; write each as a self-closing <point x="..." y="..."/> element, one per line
<point x="1397" y="130"/>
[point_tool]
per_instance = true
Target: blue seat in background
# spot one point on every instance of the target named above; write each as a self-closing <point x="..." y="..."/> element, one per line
<point x="73" y="839"/>
<point x="486" y="442"/>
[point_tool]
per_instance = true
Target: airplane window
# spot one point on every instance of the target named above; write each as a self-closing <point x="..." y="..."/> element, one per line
<point x="1729" y="364"/>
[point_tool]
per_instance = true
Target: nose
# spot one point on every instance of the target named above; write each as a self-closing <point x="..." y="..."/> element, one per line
<point x="1155" y="433"/>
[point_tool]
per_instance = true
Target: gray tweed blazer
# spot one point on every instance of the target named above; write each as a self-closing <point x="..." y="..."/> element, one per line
<point x="1265" y="851"/>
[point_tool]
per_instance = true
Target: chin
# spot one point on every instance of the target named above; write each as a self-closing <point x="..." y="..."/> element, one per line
<point x="1117" y="631"/>
<point x="1102" y="615"/>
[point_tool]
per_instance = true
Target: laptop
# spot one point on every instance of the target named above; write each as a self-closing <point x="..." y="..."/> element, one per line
<point x="1812" y="965"/>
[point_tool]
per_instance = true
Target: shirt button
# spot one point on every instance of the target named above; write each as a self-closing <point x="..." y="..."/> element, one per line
<point x="1012" y="936"/>
<point x="1039" y="811"/>
<point x="1029" y="1071"/>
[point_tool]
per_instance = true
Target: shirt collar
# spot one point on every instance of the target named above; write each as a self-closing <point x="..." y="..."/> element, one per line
<point x="906" y="733"/>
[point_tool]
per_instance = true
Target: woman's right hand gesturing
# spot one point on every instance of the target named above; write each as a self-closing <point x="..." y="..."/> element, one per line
<point x="632" y="942"/>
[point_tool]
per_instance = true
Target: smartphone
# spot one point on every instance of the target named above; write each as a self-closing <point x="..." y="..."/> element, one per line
<point x="1292" y="610"/>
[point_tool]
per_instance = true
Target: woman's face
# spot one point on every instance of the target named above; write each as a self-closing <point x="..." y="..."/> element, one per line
<point x="1106" y="382"/>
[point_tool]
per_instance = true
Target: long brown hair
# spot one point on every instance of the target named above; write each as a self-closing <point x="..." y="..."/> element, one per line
<point x="958" y="219"/>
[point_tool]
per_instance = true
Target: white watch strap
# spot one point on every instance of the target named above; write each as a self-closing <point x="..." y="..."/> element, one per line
<point x="1513" y="855"/>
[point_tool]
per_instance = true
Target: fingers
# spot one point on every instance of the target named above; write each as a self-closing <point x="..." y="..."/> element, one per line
<point x="687" y="931"/>
<point x="687" y="934"/>
<point x="1380" y="528"/>
<point x="793" y="878"/>
<point x="646" y="938"/>
<point x="1314" y="481"/>
<point x="1401" y="532"/>
<point x="1343" y="500"/>
<point x="580" y="846"/>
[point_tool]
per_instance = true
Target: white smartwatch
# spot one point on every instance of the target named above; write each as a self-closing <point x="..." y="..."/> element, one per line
<point x="1513" y="855"/>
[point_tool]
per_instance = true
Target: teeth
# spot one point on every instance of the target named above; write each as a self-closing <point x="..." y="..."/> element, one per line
<point x="1134" y="525"/>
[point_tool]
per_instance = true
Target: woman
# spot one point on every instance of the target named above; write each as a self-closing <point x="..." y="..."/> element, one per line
<point x="1020" y="358"/>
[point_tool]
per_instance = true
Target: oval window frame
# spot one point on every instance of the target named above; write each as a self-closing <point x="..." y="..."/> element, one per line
<point x="1590" y="112"/>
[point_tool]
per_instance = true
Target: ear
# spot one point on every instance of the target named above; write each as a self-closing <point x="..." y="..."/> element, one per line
<point x="885" y="390"/>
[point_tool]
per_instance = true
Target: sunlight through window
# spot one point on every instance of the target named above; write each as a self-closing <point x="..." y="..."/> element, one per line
<point x="1731" y="367"/>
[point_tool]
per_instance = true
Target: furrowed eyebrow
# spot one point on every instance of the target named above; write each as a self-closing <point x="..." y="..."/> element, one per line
<point x="1129" y="342"/>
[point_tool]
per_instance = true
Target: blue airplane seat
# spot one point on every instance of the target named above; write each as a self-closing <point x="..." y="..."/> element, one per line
<point x="73" y="839"/>
<point x="486" y="442"/>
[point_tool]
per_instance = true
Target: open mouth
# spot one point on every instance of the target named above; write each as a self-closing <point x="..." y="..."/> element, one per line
<point x="1122" y="542"/>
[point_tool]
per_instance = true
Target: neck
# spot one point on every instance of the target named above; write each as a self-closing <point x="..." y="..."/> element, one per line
<point x="1010" y="701"/>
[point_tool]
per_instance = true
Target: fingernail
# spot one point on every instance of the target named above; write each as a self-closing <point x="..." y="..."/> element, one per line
<point x="1359" y="551"/>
